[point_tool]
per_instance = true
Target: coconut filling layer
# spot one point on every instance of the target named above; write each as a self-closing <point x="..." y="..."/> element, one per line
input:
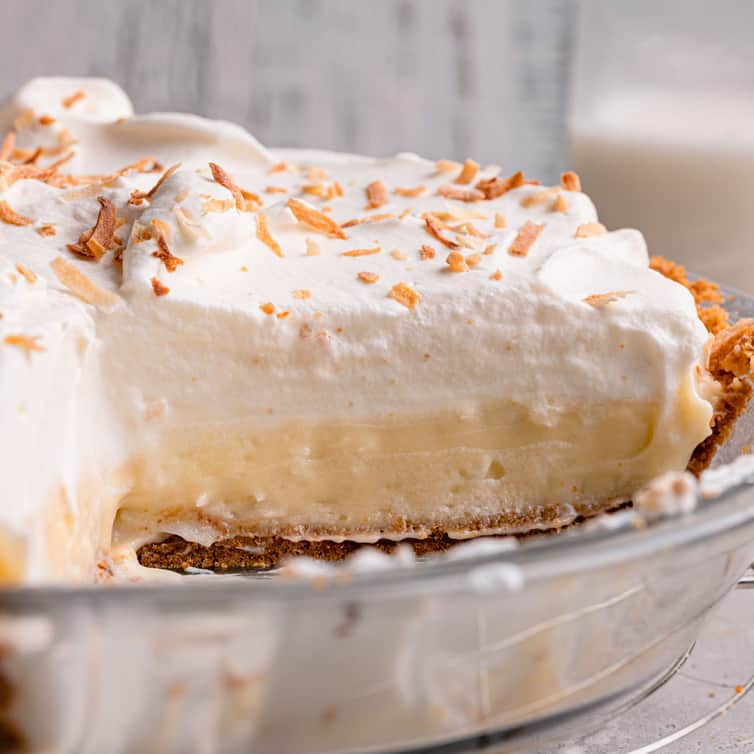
<point x="494" y="467"/>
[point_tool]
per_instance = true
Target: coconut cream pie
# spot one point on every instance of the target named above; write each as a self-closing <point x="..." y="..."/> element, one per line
<point x="213" y="353"/>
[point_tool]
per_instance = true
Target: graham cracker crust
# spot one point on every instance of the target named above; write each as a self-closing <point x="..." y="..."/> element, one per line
<point x="263" y="552"/>
<point x="730" y="361"/>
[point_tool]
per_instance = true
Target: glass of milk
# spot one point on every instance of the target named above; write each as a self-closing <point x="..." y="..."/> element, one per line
<point x="661" y="127"/>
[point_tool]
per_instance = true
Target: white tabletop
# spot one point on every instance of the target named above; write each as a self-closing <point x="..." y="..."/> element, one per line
<point x="683" y="717"/>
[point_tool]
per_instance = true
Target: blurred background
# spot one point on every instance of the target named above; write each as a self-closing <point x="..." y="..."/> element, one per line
<point x="652" y="101"/>
<point x="447" y="78"/>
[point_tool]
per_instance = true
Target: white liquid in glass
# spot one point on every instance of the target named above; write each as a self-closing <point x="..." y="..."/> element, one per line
<point x="680" y="168"/>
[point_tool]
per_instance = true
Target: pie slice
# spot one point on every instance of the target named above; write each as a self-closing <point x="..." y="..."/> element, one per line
<point x="216" y="354"/>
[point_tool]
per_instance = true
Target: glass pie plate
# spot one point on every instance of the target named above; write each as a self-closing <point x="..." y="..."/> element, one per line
<point x="491" y="648"/>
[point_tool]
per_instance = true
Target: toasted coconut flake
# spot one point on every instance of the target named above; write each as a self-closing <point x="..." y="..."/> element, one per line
<point x="264" y="235"/>
<point x="95" y="242"/>
<point x="446" y="166"/>
<point x="10" y="174"/>
<point x="361" y="252"/>
<point x="469" y="229"/>
<point x="473" y="260"/>
<point x="324" y="190"/>
<point x="268" y="308"/>
<point x="26" y="342"/>
<point x="456" y="262"/>
<point x="275" y="190"/>
<point x="34" y="156"/>
<point x="11" y="217"/>
<point x="320" y="190"/>
<point x="280" y="167"/>
<point x="368" y="277"/>
<point x="80" y="285"/>
<point x="251" y="201"/>
<point x="143" y="165"/>
<point x="27" y="274"/>
<point x="164" y="254"/>
<point x="19" y="155"/>
<point x="158" y="288"/>
<point x="217" y="205"/>
<point x="434" y="228"/>
<point x="312" y="248"/>
<point x="399" y="255"/>
<point x="45" y="120"/>
<point x="376" y="194"/>
<point x="539" y="197"/>
<point x="282" y="315"/>
<point x="405" y="295"/>
<point x="47" y="230"/>
<point x="368" y="219"/>
<point x="69" y="101"/>
<point x="560" y="204"/>
<point x="586" y="230"/>
<point x="497" y="274"/>
<point x="315" y="220"/>
<point x="570" y="181"/>
<point x="468" y="172"/>
<point x="524" y="239"/>
<point x="7" y="147"/>
<point x="137" y="197"/>
<point x="410" y="191"/>
<point x="489" y="250"/>
<point x="492" y="188"/>
<point x="67" y="157"/>
<point x="223" y="178"/>
<point x="449" y="191"/>
<point x="598" y="300"/>
<point x="426" y="252"/>
<point x="302" y="294"/>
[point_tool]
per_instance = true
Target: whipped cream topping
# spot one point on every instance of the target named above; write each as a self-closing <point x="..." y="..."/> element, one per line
<point x="228" y="301"/>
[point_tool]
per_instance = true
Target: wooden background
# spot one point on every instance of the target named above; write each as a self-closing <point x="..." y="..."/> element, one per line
<point x="446" y="78"/>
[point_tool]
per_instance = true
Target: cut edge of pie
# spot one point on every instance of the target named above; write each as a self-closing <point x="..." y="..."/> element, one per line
<point x="730" y="360"/>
